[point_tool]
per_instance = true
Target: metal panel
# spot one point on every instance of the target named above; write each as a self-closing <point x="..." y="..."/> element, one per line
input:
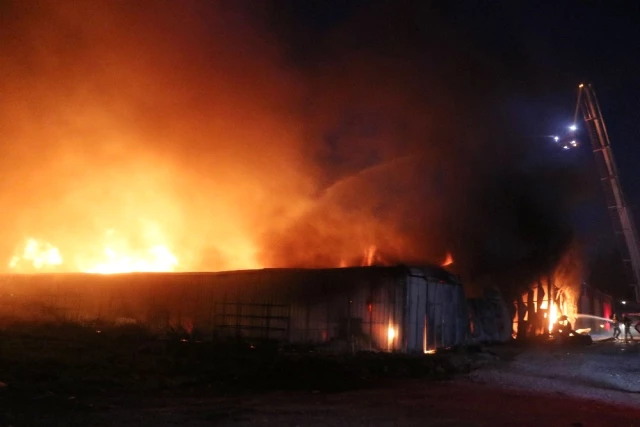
<point x="415" y="326"/>
<point x="360" y="306"/>
<point x="437" y="315"/>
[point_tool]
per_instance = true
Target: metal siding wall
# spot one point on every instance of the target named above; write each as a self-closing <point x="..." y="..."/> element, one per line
<point x="436" y="313"/>
<point x="387" y="307"/>
<point x="399" y="315"/>
<point x="446" y="314"/>
<point x="463" y="317"/>
<point x="247" y="306"/>
<point x="446" y="301"/>
<point x="289" y="305"/>
<point x="313" y="323"/>
<point x="434" y="335"/>
<point x="416" y="313"/>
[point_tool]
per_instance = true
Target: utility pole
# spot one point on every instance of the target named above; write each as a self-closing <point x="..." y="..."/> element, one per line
<point x="623" y="224"/>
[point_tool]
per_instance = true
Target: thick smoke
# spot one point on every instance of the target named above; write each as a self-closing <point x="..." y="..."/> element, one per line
<point x="419" y="151"/>
<point x="145" y="123"/>
<point x="239" y="138"/>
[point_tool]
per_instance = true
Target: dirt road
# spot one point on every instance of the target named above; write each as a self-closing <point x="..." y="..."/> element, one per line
<point x="56" y="378"/>
<point x="409" y="403"/>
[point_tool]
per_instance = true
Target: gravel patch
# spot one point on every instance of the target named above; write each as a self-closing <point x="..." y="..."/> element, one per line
<point x="606" y="371"/>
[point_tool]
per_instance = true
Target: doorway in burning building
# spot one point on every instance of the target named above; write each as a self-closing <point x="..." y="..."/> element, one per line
<point x="537" y="309"/>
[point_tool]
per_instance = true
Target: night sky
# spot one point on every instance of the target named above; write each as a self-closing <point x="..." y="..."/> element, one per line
<point x="542" y="51"/>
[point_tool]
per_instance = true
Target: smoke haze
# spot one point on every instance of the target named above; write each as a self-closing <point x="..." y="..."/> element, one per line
<point x="229" y="134"/>
<point x="159" y="122"/>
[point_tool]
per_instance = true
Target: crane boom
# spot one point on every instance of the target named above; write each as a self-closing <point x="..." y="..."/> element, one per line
<point x="623" y="224"/>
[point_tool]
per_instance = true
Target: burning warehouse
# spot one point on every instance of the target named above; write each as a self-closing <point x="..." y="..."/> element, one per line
<point x="540" y="310"/>
<point x="561" y="292"/>
<point x="548" y="297"/>
<point x="378" y="308"/>
<point x="243" y="158"/>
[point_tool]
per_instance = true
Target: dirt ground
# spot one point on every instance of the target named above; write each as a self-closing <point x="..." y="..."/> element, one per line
<point x="68" y="376"/>
<point x="406" y="403"/>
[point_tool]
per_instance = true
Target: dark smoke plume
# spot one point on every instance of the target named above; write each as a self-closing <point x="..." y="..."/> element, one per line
<point x="408" y="115"/>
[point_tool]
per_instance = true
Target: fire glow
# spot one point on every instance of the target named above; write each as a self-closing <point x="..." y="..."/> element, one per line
<point x="42" y="256"/>
<point x="36" y="254"/>
<point x="391" y="336"/>
<point x="155" y="259"/>
<point x="448" y="260"/>
<point x="553" y="314"/>
<point x="103" y="130"/>
<point x="214" y="152"/>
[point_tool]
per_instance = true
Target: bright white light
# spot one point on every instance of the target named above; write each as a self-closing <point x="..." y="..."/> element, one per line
<point x="573" y="128"/>
<point x="623" y="302"/>
<point x="391" y="333"/>
<point x="574" y="143"/>
<point x="556" y="138"/>
<point x="566" y="147"/>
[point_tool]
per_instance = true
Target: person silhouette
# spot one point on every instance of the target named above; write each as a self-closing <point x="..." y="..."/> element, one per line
<point x="616" y="326"/>
<point x="626" y="321"/>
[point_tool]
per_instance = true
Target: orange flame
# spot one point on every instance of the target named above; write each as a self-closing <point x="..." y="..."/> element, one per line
<point x="42" y="256"/>
<point x="214" y="151"/>
<point x="552" y="318"/>
<point x="155" y="259"/>
<point x="37" y="255"/>
<point x="369" y="256"/>
<point x="448" y="260"/>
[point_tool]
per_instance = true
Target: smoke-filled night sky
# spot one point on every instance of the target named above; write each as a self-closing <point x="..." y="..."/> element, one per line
<point x="239" y="134"/>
